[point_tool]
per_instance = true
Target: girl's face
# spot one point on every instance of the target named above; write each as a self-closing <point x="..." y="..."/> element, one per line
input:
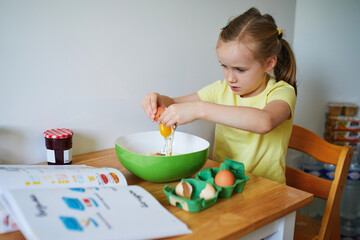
<point x="246" y="76"/>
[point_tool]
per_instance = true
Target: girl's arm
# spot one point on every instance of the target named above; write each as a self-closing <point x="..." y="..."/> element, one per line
<point x="245" y="118"/>
<point x="188" y="98"/>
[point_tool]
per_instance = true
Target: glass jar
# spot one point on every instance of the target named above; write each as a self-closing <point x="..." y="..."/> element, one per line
<point x="58" y="142"/>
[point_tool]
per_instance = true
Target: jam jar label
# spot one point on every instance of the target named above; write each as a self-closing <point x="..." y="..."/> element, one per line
<point x="67" y="156"/>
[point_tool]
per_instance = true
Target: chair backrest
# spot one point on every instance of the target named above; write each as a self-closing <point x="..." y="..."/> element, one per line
<point x="308" y="142"/>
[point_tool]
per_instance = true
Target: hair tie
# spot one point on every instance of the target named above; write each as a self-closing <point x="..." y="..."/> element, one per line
<point x="279" y="33"/>
<point x="226" y="24"/>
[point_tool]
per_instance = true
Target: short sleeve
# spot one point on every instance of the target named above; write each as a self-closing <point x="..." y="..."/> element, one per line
<point x="283" y="91"/>
<point x="209" y="92"/>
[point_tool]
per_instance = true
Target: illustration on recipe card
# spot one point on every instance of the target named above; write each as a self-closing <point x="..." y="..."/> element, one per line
<point x="119" y="212"/>
<point x="73" y="224"/>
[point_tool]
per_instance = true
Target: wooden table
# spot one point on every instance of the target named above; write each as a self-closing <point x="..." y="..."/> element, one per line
<point x="265" y="209"/>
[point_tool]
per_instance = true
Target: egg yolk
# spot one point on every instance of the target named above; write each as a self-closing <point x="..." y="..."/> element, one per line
<point x="164" y="130"/>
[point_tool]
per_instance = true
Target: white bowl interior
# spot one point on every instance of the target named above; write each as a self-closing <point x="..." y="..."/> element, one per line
<point x="145" y="143"/>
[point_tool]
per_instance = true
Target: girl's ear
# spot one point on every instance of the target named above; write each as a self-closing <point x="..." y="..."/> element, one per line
<point x="270" y="63"/>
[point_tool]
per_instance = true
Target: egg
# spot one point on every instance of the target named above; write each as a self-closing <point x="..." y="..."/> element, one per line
<point x="164" y="130"/>
<point x="208" y="192"/>
<point x="159" y="111"/>
<point x="184" y="189"/>
<point x="224" y="178"/>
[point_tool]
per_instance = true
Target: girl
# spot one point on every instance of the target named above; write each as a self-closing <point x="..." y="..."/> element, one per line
<point x="253" y="111"/>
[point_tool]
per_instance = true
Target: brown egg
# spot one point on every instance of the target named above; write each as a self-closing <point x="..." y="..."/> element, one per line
<point x="224" y="178"/>
<point x="160" y="110"/>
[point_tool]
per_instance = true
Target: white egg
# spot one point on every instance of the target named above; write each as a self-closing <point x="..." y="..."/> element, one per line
<point x="208" y="192"/>
<point x="183" y="189"/>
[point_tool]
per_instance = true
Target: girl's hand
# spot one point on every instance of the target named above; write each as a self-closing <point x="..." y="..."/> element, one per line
<point x="150" y="103"/>
<point x="180" y="114"/>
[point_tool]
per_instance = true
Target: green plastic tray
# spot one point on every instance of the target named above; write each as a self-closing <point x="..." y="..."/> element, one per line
<point x="236" y="168"/>
<point x="195" y="204"/>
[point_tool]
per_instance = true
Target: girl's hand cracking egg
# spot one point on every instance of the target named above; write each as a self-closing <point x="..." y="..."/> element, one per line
<point x="160" y="110"/>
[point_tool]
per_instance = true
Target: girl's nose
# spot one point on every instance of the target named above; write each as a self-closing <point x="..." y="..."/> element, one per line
<point x="231" y="78"/>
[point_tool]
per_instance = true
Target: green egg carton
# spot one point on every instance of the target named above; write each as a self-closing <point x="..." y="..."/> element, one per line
<point x="195" y="204"/>
<point x="236" y="168"/>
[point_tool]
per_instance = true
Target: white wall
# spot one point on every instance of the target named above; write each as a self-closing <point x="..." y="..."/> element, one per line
<point x="86" y="65"/>
<point x="327" y="48"/>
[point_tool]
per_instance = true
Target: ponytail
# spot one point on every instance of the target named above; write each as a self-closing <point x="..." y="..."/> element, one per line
<point x="285" y="68"/>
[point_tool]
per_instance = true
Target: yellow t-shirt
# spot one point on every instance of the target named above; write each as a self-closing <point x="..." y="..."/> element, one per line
<point x="262" y="154"/>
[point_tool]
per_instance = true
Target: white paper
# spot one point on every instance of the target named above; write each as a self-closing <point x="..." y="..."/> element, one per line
<point x="92" y="213"/>
<point x="52" y="176"/>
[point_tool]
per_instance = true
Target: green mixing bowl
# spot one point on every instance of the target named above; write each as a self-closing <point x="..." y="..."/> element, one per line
<point x="189" y="155"/>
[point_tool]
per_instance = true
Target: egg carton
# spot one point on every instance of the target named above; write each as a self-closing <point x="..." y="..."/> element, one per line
<point x="196" y="203"/>
<point x="236" y="168"/>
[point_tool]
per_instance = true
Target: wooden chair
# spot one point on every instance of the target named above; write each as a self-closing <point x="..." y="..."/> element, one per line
<point x="308" y="142"/>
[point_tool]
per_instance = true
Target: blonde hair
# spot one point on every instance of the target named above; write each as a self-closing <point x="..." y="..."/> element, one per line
<point x="266" y="41"/>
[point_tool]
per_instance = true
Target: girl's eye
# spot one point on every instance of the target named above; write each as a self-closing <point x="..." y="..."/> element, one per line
<point x="238" y="69"/>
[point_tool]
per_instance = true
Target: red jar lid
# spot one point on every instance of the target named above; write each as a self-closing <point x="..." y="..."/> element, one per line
<point x="58" y="133"/>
